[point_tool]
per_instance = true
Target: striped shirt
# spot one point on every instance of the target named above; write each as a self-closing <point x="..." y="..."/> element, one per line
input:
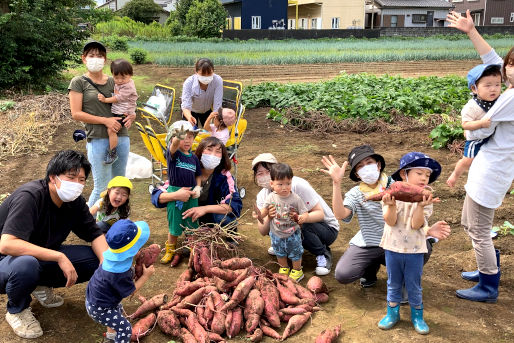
<point x="198" y="100"/>
<point x="126" y="97"/>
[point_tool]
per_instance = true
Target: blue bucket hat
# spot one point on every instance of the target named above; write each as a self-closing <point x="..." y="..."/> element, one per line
<point x="124" y="238"/>
<point x="476" y="72"/>
<point x="418" y="160"/>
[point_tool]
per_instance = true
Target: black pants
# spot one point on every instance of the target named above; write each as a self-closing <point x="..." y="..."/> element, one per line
<point x="20" y="275"/>
<point x="200" y="117"/>
<point x="359" y="262"/>
<point x="317" y="237"/>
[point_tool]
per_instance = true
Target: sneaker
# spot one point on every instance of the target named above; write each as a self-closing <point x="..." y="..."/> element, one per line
<point x="111" y="157"/>
<point x="284" y="270"/>
<point x="24" y="324"/>
<point x="47" y="297"/>
<point x="296" y="275"/>
<point x="324" y="263"/>
<point x="432" y="240"/>
<point x="367" y="283"/>
<point x="109" y="336"/>
<point x="271" y="251"/>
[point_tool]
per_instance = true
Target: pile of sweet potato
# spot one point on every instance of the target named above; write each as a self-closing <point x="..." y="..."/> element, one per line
<point x="214" y="299"/>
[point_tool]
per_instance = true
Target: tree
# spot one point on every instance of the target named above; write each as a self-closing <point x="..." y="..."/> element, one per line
<point x="38" y="37"/>
<point x="177" y="19"/>
<point x="144" y="11"/>
<point x="205" y="19"/>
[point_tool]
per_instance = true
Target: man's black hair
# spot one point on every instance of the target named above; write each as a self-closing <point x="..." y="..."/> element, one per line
<point x="281" y="171"/>
<point x="65" y="161"/>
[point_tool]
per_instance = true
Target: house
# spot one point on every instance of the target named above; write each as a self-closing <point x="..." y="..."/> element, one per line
<point x="326" y="14"/>
<point x="488" y="12"/>
<point x="256" y="14"/>
<point x="407" y="13"/>
<point x="167" y="6"/>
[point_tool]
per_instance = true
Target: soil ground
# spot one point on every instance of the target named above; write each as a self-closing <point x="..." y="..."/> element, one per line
<point x="358" y="310"/>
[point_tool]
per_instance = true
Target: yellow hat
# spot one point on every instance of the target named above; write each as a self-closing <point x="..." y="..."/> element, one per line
<point x="120" y="181"/>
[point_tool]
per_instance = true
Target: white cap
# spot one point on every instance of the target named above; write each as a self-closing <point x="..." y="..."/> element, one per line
<point x="266" y="157"/>
<point x="184" y="125"/>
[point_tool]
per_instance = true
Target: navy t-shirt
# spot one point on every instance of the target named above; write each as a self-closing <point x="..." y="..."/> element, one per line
<point x="30" y="214"/>
<point x="107" y="289"/>
<point x="182" y="169"/>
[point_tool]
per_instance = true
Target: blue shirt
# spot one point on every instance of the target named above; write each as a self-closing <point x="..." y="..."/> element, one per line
<point x="107" y="289"/>
<point x="183" y="169"/>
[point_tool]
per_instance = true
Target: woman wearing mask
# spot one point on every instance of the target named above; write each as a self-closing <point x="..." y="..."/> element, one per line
<point x="201" y="92"/>
<point x="97" y="118"/>
<point x="316" y="237"/>
<point x="219" y="201"/>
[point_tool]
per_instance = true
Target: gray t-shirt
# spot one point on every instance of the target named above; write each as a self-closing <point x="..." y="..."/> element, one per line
<point x="283" y="225"/>
<point x="93" y="106"/>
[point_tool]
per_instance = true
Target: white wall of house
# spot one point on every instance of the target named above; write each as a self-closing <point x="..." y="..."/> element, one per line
<point x="409" y="12"/>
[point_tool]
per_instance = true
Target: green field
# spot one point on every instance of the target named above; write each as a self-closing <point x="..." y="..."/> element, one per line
<point x="266" y="52"/>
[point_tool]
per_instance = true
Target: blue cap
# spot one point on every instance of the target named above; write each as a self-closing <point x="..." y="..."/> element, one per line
<point x="476" y="72"/>
<point x="418" y="160"/>
<point x="124" y="238"/>
<point x="79" y="135"/>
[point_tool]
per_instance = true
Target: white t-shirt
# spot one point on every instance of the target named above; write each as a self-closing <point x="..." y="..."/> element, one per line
<point x="308" y="195"/>
<point x="471" y="112"/>
<point x="492" y="171"/>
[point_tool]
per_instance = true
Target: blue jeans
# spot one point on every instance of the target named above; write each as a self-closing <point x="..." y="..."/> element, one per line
<point x="290" y="247"/>
<point x="20" y="275"/>
<point x="402" y="268"/>
<point x="97" y="148"/>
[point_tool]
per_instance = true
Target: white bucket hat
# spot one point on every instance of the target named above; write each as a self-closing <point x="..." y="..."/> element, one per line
<point x="266" y="157"/>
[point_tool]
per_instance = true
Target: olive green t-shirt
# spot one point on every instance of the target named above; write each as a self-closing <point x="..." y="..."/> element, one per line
<point x="91" y="105"/>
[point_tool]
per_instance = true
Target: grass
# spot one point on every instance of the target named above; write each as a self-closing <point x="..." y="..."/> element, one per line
<point x="253" y="52"/>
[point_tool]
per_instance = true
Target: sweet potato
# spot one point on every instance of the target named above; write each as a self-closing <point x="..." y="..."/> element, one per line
<point x="403" y="191"/>
<point x="168" y="323"/>
<point x="240" y="293"/>
<point x="228" y="321"/>
<point x="195" y="297"/>
<point x="270" y="332"/>
<point x="321" y="298"/>
<point x="271" y="306"/>
<point x="186" y="336"/>
<point x="304" y="293"/>
<point x="236" y="263"/>
<point x="235" y="324"/>
<point x="182" y="312"/>
<point x="200" y="315"/>
<point x="176" y="299"/>
<point x="187" y="275"/>
<point x="256" y="336"/>
<point x="293" y="310"/>
<point x="286" y="295"/>
<point x="214" y="337"/>
<point x="205" y="261"/>
<point x="238" y="280"/>
<point x="284" y="317"/>
<point x="295" y="324"/>
<point x="196" y="328"/>
<point x="196" y="260"/>
<point x="218" y="320"/>
<point x="329" y="335"/>
<point x="150" y="304"/>
<point x="187" y="287"/>
<point x="226" y="274"/>
<point x="176" y="259"/>
<point x="142" y="327"/>
<point x="290" y="284"/>
<point x="146" y="256"/>
<point x="316" y="285"/>
<point x="253" y="310"/>
<point x="281" y="277"/>
<point x="209" y="309"/>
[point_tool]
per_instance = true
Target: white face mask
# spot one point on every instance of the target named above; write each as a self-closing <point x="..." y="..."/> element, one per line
<point x="205" y="79"/>
<point x="210" y="161"/>
<point x="94" y="64"/>
<point x="369" y="173"/>
<point x="264" y="181"/>
<point x="69" y="190"/>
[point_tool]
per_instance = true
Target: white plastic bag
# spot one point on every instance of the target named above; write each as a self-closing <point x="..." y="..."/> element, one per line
<point x="138" y="167"/>
<point x="157" y="105"/>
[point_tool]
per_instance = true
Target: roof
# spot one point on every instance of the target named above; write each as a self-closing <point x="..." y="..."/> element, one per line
<point x="414" y="3"/>
<point x="226" y="2"/>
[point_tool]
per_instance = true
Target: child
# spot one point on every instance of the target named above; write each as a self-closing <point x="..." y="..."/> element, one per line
<point x="219" y="123"/>
<point x="184" y="170"/>
<point x="114" y="203"/>
<point x="404" y="240"/>
<point x="287" y="212"/>
<point x="123" y="101"/>
<point x="485" y="82"/>
<point x="113" y="280"/>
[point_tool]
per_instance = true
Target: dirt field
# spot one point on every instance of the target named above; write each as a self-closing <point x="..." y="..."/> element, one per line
<point x="358" y="310"/>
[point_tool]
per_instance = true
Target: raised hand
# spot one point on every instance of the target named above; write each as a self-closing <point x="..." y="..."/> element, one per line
<point x="428" y="200"/>
<point x="333" y="169"/>
<point x="456" y="20"/>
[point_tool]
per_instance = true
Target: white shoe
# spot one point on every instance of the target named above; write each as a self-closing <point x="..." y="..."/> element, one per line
<point x="24" y="324"/>
<point x="46" y="297"/>
<point x="271" y="251"/>
<point x="322" y="268"/>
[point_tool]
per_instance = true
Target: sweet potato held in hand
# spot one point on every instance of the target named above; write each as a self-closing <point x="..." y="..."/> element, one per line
<point x="403" y="191"/>
<point x="148" y="256"/>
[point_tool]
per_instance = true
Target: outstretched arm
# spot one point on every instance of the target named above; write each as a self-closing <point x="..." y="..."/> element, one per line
<point x="466" y="25"/>
<point x="337" y="174"/>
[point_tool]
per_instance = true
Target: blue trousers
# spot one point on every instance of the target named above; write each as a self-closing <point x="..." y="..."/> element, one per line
<point x="20" y="275"/>
<point x="111" y="317"/>
<point x="404" y="268"/>
<point x="97" y="148"/>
